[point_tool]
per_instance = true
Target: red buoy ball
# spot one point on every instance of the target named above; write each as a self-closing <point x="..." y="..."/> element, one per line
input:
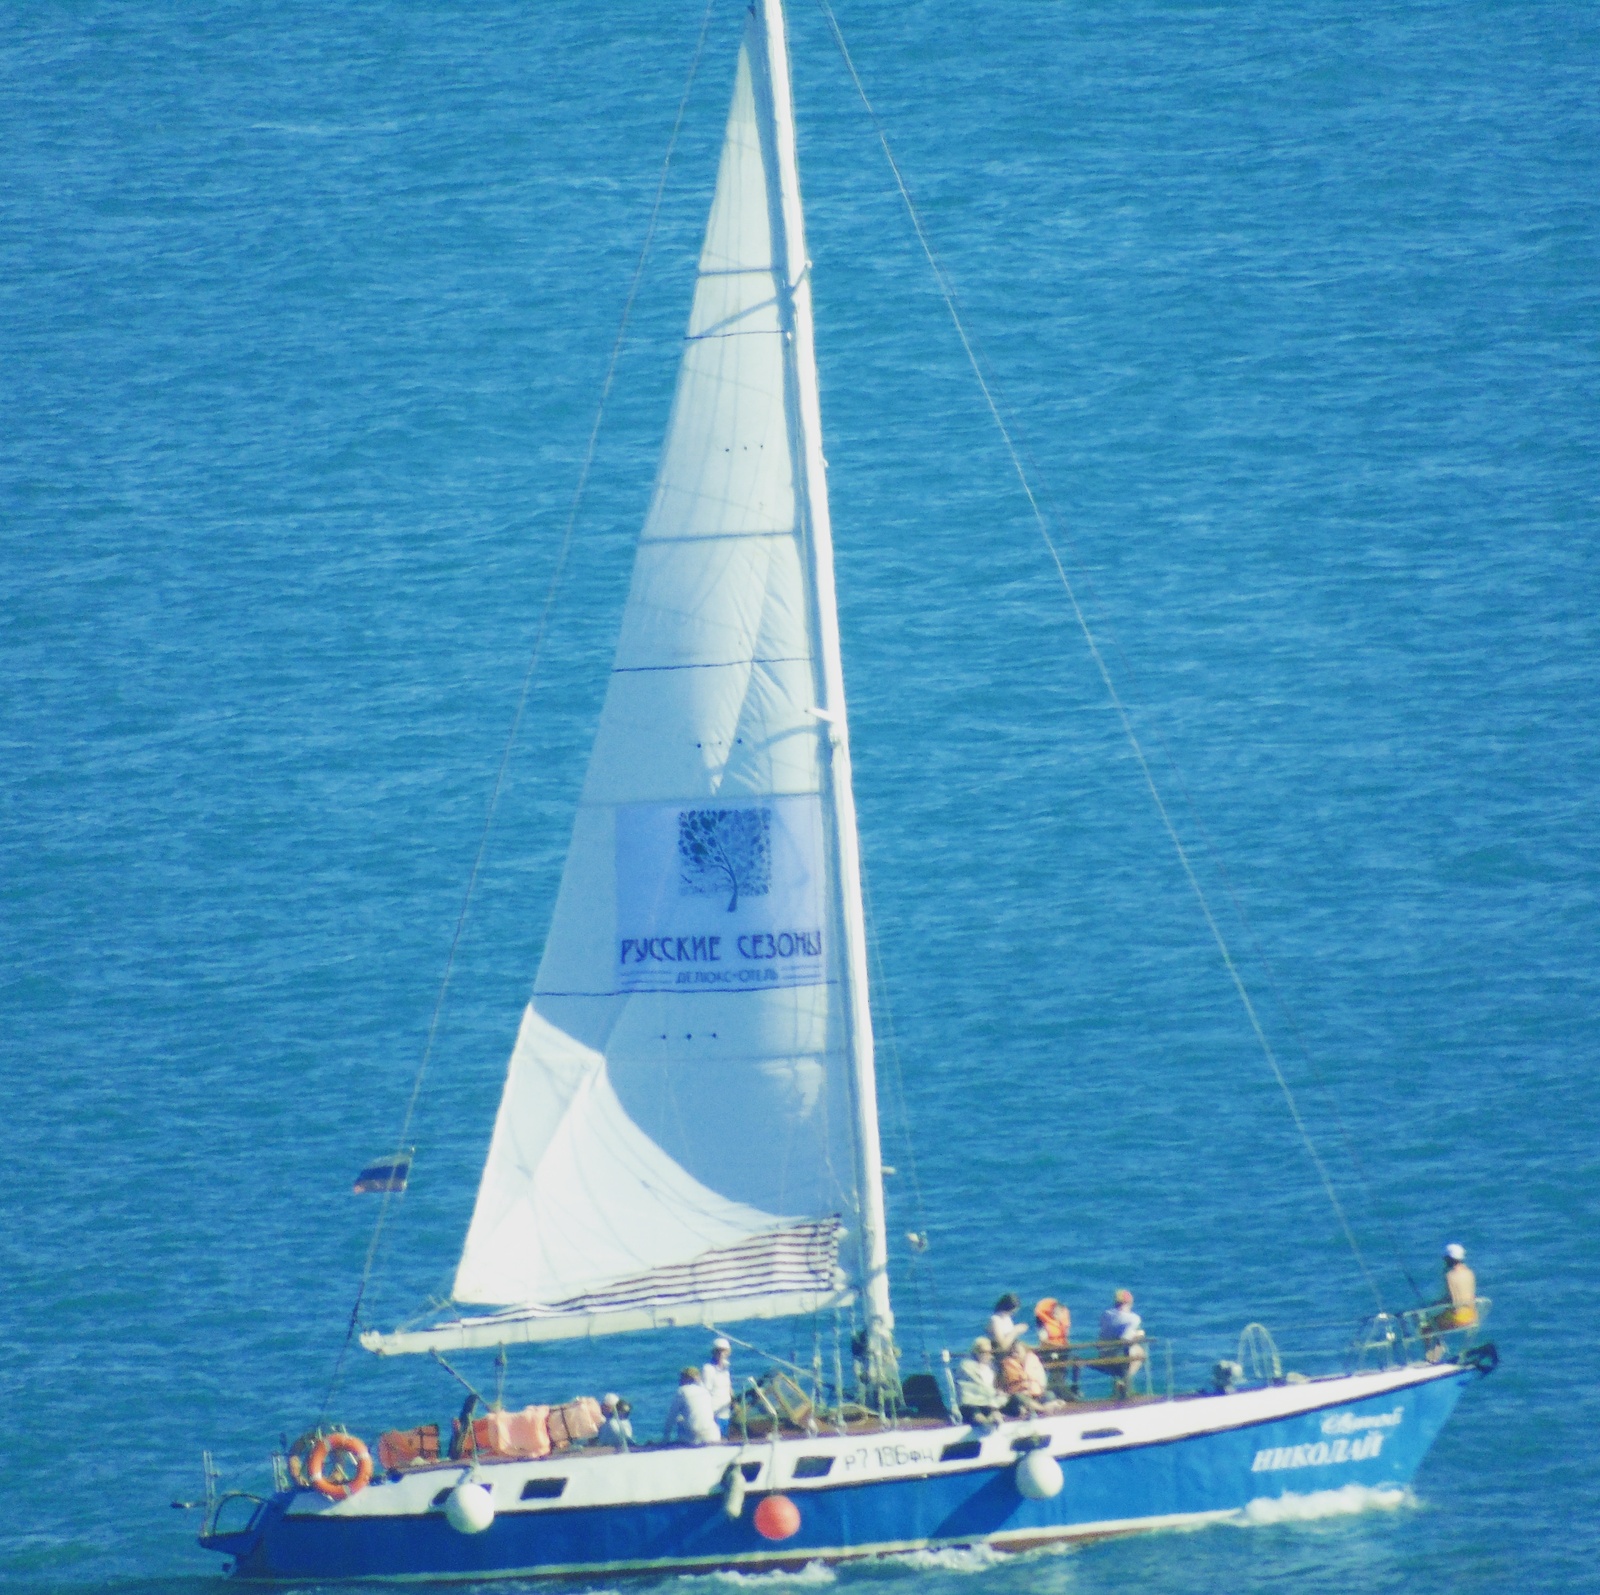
<point x="777" y="1518"/>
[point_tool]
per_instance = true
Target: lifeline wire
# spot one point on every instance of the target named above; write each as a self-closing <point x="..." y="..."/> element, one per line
<point x="947" y="292"/>
<point x="539" y="637"/>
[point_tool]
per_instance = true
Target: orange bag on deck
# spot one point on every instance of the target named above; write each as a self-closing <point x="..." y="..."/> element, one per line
<point x="407" y="1448"/>
<point x="574" y="1420"/>
<point x="511" y="1434"/>
<point x="514" y="1434"/>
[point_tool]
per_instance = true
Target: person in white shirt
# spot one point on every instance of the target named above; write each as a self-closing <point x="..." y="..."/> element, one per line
<point x="1003" y="1328"/>
<point x="1122" y="1329"/>
<point x="717" y="1377"/>
<point x="690" y="1419"/>
<point x="617" y="1430"/>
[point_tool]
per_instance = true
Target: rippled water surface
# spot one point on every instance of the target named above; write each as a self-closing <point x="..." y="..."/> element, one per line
<point x="304" y="315"/>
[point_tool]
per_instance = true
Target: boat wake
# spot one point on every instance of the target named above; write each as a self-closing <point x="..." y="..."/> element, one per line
<point x="953" y="1559"/>
<point x="1346" y="1502"/>
<point x="807" y="1577"/>
<point x="950" y="1559"/>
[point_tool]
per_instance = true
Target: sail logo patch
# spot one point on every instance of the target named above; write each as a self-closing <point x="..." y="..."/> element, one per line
<point x="722" y="896"/>
<point x="722" y="852"/>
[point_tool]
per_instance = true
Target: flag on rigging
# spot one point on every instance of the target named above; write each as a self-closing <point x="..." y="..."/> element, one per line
<point x="389" y="1175"/>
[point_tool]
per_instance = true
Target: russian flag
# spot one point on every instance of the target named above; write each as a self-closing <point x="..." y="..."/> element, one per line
<point x="389" y="1175"/>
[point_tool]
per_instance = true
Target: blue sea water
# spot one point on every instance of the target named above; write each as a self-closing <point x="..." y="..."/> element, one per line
<point x="304" y="316"/>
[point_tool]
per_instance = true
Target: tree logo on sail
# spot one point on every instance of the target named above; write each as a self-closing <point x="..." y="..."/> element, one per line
<point x="723" y="852"/>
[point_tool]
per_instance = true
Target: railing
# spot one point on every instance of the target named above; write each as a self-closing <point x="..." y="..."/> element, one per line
<point x="1092" y="1371"/>
<point x="1119" y="1370"/>
<point x="1101" y="1370"/>
<point x="1425" y="1334"/>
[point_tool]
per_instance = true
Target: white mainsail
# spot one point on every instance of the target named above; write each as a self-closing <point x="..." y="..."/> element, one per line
<point x="688" y="1130"/>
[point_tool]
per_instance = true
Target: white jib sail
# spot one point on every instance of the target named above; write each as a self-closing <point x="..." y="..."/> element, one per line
<point x="688" y="1130"/>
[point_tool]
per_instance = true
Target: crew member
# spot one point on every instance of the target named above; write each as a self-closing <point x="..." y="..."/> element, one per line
<point x="690" y="1418"/>
<point x="717" y="1377"/>
<point x="1458" y="1307"/>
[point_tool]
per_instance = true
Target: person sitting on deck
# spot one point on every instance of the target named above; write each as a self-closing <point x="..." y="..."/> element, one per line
<point x="1458" y="1307"/>
<point x="1022" y="1380"/>
<point x="691" y="1419"/>
<point x="617" y="1427"/>
<point x="1460" y="1301"/>
<point x="1003" y="1328"/>
<point x="975" y="1389"/>
<point x="1122" y="1351"/>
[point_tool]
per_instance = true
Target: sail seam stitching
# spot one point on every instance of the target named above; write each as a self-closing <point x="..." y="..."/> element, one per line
<point x="715" y="664"/>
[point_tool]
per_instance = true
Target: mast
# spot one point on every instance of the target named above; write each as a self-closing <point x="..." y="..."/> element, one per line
<point x="788" y="225"/>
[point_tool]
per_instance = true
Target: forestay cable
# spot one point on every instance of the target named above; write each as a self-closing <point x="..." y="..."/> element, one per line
<point x="947" y="292"/>
<point x="541" y="632"/>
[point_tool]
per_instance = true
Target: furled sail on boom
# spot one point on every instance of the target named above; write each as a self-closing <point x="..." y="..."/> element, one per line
<point x="688" y="1131"/>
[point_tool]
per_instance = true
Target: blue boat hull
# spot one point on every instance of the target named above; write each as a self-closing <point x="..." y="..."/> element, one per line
<point x="1375" y="1442"/>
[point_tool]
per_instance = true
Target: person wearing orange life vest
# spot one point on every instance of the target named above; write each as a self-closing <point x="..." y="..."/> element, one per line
<point x="1054" y="1322"/>
<point x="1022" y="1381"/>
<point x="1055" y="1341"/>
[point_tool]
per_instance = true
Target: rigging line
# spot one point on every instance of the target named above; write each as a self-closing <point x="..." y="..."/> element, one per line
<point x="1214" y="855"/>
<point x="920" y="1263"/>
<point x="947" y="292"/>
<point x="541" y="632"/>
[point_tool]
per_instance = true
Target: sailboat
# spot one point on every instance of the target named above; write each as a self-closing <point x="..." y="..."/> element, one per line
<point x="688" y="1134"/>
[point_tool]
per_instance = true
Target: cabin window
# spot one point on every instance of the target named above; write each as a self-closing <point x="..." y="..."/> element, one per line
<point x="961" y="1451"/>
<point x="543" y="1489"/>
<point x="443" y="1495"/>
<point x="751" y="1471"/>
<point x="812" y="1467"/>
<point x="1099" y="1434"/>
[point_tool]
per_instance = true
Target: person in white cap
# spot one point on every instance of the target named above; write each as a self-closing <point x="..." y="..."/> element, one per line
<point x="1460" y="1291"/>
<point x="617" y="1430"/>
<point x="717" y="1377"/>
<point x="1457" y="1308"/>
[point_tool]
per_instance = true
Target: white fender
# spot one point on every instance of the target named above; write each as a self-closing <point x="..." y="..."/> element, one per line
<point x="469" y="1508"/>
<point x="1039" y="1476"/>
<point x="733" y="1493"/>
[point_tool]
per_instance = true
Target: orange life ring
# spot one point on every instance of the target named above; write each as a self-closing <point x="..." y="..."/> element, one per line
<point x="336" y="1486"/>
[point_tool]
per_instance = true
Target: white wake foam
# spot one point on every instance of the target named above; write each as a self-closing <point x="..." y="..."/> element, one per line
<point x="1345" y="1502"/>
<point x="812" y="1574"/>
<point x="953" y="1559"/>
